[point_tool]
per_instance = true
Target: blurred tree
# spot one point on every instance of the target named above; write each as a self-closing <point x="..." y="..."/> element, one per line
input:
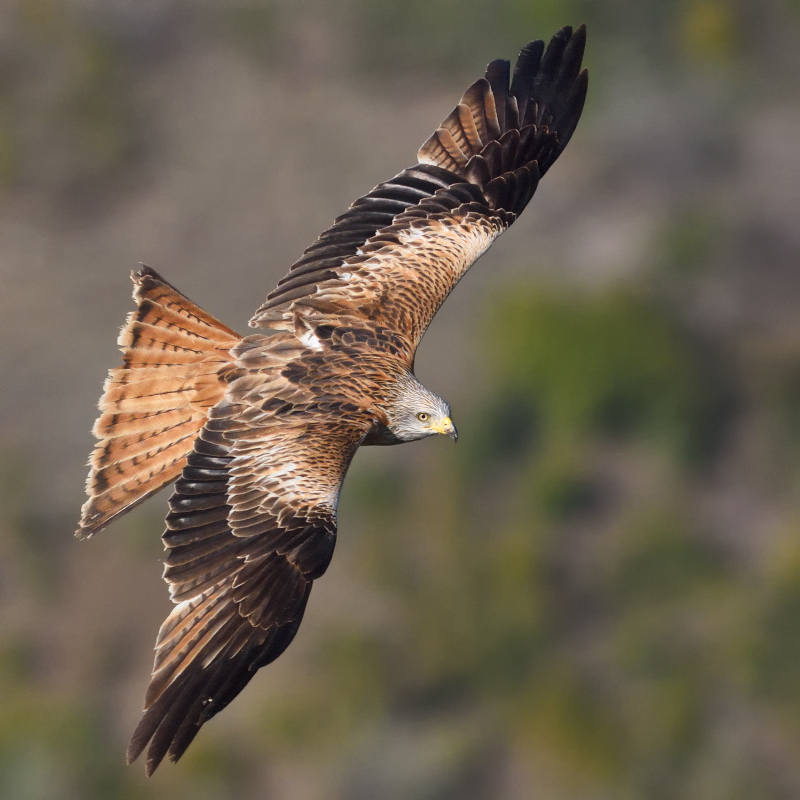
<point x="597" y="593"/>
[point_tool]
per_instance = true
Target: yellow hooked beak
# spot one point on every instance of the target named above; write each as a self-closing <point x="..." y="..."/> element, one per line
<point x="447" y="428"/>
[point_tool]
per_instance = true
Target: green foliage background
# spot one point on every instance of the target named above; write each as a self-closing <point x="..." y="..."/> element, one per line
<point x="558" y="607"/>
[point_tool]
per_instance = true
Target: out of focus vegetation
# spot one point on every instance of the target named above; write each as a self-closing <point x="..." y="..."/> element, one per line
<point x="596" y="594"/>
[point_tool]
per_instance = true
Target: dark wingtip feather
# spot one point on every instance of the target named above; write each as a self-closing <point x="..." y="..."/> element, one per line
<point x="524" y="73"/>
<point x="533" y="118"/>
<point x="498" y="73"/>
<point x="174" y="718"/>
<point x="574" y="108"/>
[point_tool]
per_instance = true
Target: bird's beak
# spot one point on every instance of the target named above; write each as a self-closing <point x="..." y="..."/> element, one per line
<point x="448" y="429"/>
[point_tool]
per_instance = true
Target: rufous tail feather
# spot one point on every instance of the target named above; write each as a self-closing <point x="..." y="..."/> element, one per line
<point x="176" y="359"/>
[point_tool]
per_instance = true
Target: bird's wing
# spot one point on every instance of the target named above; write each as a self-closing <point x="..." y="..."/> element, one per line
<point x="396" y="254"/>
<point x="252" y="524"/>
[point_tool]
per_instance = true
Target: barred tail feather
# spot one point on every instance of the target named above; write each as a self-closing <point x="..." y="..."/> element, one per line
<point x="175" y="360"/>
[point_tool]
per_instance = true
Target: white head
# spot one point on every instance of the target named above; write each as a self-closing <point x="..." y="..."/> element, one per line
<point x="414" y="412"/>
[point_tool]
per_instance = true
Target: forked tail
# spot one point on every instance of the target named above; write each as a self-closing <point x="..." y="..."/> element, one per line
<point x="175" y="362"/>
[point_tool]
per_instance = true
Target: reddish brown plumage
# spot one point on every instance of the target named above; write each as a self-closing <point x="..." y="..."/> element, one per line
<point x="260" y="431"/>
<point x="151" y="409"/>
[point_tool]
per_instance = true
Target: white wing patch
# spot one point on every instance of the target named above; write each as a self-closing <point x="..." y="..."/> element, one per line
<point x="311" y="340"/>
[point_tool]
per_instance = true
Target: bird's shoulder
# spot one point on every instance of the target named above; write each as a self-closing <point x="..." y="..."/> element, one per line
<point x="315" y="368"/>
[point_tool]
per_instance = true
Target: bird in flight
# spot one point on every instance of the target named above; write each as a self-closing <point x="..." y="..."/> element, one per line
<point x="258" y="431"/>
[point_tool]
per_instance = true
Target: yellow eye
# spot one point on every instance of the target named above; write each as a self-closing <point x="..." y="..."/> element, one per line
<point x="423" y="417"/>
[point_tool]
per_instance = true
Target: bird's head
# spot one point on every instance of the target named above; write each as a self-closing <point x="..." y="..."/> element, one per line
<point x="414" y="413"/>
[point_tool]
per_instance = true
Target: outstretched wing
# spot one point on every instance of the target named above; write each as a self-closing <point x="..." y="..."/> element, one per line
<point x="252" y="524"/>
<point x="397" y="253"/>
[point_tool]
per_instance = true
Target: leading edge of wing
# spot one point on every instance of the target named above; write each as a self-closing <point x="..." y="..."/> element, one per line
<point x="485" y="159"/>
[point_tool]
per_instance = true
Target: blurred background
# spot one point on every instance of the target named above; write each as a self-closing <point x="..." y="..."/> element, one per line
<point x="596" y="593"/>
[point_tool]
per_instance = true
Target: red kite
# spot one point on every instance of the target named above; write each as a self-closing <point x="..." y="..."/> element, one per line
<point x="259" y="431"/>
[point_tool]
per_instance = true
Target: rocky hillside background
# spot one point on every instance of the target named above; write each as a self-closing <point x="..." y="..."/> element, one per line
<point x="596" y="594"/>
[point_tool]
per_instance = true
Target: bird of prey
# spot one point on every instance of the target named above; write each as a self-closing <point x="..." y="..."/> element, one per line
<point x="258" y="431"/>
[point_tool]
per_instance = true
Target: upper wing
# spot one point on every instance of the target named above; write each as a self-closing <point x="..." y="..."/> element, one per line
<point x="396" y="254"/>
<point x="252" y="523"/>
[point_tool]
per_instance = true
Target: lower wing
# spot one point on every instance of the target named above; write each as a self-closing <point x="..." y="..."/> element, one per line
<point x="252" y="524"/>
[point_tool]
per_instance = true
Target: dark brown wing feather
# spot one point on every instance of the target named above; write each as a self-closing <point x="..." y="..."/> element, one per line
<point x="383" y="259"/>
<point x="209" y="682"/>
<point x="252" y="524"/>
